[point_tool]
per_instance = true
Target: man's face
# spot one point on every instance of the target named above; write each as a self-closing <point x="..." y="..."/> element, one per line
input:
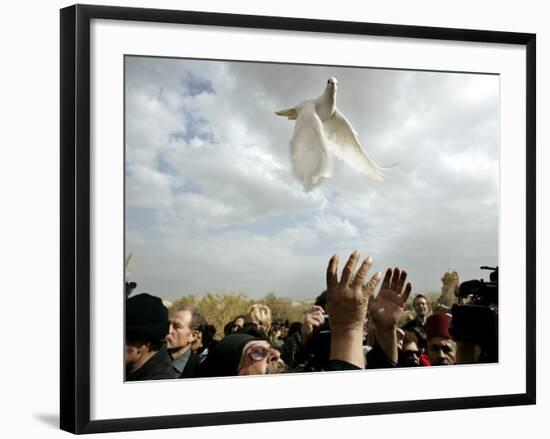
<point x="134" y="351"/>
<point x="180" y="335"/>
<point x="411" y="353"/>
<point x="400" y="336"/>
<point x="237" y="325"/>
<point x="131" y="354"/>
<point x="197" y="341"/>
<point x="421" y="307"/>
<point x="441" y="351"/>
<point x="259" y="358"/>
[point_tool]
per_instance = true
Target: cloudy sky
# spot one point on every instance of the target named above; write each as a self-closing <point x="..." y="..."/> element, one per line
<point x="212" y="206"/>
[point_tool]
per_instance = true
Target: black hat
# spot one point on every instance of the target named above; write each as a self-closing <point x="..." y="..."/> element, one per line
<point x="223" y="359"/>
<point x="146" y="318"/>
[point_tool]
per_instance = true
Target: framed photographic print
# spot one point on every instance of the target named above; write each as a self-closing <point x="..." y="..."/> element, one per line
<point x="214" y="167"/>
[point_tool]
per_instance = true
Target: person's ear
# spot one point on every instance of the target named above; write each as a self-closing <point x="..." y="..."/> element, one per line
<point x="139" y="349"/>
<point x="196" y="335"/>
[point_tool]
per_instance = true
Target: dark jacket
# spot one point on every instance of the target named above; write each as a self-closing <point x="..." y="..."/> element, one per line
<point x="191" y="368"/>
<point x="377" y="358"/>
<point x="336" y="365"/>
<point x="158" y="367"/>
<point x="293" y="353"/>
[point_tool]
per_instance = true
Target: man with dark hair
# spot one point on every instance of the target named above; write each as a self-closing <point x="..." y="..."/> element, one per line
<point x="409" y="354"/>
<point x="234" y="325"/>
<point x="184" y="330"/>
<point x="204" y="340"/>
<point x="418" y="325"/>
<point x="145" y="353"/>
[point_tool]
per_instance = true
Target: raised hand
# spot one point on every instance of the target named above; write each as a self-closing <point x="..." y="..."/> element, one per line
<point x="347" y="301"/>
<point x="347" y="298"/>
<point x="386" y="308"/>
<point x="312" y="322"/>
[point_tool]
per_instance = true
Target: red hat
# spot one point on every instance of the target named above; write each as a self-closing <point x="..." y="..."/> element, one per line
<point x="437" y="325"/>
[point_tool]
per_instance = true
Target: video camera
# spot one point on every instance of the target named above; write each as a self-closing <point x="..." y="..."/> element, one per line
<point x="480" y="292"/>
<point x="475" y="319"/>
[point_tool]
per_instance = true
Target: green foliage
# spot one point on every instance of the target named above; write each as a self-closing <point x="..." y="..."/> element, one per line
<point x="283" y="308"/>
<point x="220" y="308"/>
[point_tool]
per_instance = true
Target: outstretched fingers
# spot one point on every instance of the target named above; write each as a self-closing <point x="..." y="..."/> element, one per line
<point x="347" y="272"/>
<point x="401" y="281"/>
<point x="406" y="293"/>
<point x="395" y="280"/>
<point x="361" y="275"/>
<point x="371" y="284"/>
<point x="387" y="279"/>
<point x="332" y="272"/>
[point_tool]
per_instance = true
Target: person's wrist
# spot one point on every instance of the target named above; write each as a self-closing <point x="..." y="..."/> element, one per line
<point x="388" y="327"/>
<point x="346" y="323"/>
<point x="346" y="344"/>
<point x="350" y="334"/>
<point x="304" y="337"/>
<point x="345" y="330"/>
<point x="385" y="334"/>
<point x="386" y="338"/>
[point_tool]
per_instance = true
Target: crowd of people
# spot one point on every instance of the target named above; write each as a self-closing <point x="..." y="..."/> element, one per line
<point x="349" y="327"/>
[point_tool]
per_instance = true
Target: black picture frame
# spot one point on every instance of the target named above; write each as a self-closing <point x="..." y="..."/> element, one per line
<point x="75" y="217"/>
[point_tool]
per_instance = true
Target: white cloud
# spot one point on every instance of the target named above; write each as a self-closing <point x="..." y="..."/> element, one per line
<point x="333" y="228"/>
<point x="146" y="187"/>
<point x="470" y="163"/>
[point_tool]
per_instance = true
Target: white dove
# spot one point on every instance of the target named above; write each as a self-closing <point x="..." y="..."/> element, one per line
<point x="321" y="128"/>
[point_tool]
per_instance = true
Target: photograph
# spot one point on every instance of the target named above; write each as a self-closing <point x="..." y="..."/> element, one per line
<point x="295" y="218"/>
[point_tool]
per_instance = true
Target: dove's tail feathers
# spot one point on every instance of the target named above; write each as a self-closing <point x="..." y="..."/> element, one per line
<point x="311" y="183"/>
<point x="290" y="113"/>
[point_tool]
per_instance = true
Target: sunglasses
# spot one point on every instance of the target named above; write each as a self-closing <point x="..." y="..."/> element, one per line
<point x="258" y="353"/>
<point x="411" y="353"/>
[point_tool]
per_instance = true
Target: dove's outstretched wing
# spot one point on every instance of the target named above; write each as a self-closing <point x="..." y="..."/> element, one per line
<point x="345" y="144"/>
<point x="308" y="147"/>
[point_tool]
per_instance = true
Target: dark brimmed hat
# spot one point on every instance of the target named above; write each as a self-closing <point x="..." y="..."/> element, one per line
<point x="146" y="318"/>
<point x="437" y="325"/>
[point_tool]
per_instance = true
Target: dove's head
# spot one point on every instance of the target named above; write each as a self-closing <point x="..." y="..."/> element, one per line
<point x="332" y="83"/>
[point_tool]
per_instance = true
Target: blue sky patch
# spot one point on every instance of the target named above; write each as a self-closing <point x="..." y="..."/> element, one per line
<point x="194" y="86"/>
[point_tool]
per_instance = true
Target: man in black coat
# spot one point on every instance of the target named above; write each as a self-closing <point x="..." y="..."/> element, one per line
<point x="145" y="353"/>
